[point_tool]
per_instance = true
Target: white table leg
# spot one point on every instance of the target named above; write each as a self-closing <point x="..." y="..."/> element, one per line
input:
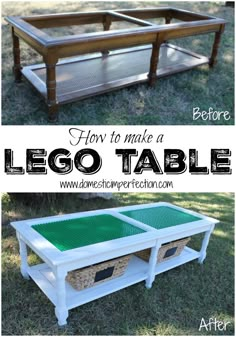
<point x="23" y="256"/>
<point x="205" y="242"/>
<point x="152" y="265"/>
<point x="61" y="310"/>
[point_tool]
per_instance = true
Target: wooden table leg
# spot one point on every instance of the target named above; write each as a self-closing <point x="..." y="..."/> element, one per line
<point x="168" y="19"/>
<point x="213" y="58"/>
<point x="204" y="245"/>
<point x="16" y="57"/>
<point x="106" y="26"/>
<point x="61" y="310"/>
<point x="23" y="256"/>
<point x="51" y="91"/>
<point x="154" y="63"/>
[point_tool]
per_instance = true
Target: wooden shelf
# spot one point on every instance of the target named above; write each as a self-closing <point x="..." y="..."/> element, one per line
<point x="136" y="272"/>
<point x="85" y="76"/>
<point x="73" y="80"/>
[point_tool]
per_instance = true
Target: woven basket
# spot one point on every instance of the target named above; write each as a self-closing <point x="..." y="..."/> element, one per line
<point x="166" y="252"/>
<point x="97" y="273"/>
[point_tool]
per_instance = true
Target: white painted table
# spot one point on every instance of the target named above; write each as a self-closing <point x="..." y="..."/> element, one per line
<point x="50" y="276"/>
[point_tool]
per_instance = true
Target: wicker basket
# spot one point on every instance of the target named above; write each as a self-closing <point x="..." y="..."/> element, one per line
<point x="97" y="273"/>
<point x="166" y="251"/>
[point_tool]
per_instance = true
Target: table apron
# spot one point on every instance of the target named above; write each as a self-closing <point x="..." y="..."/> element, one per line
<point x="97" y="45"/>
<point x="178" y="235"/>
<point x="40" y="48"/>
<point x="80" y="263"/>
<point x="191" y="31"/>
<point x="66" y="48"/>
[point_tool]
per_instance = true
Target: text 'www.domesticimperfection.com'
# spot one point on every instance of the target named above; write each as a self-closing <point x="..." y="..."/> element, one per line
<point x="116" y="185"/>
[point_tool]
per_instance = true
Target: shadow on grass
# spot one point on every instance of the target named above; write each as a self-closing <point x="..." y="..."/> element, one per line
<point x="175" y="304"/>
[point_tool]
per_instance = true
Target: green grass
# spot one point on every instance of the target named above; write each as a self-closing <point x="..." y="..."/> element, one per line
<point x="174" y="306"/>
<point x="170" y="101"/>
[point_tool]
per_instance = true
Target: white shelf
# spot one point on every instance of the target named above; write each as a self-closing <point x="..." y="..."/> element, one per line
<point x="44" y="278"/>
<point x="136" y="272"/>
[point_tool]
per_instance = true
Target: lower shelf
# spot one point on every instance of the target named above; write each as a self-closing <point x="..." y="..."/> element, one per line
<point x="90" y="75"/>
<point x="136" y="272"/>
<point x="44" y="278"/>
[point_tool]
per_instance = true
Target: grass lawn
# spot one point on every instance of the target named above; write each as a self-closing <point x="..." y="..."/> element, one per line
<point x="175" y="304"/>
<point x="170" y="101"/>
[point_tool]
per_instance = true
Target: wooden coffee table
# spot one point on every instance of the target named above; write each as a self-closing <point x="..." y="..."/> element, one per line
<point x="68" y="242"/>
<point x="117" y="58"/>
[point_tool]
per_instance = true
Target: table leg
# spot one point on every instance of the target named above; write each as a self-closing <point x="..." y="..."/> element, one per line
<point x="167" y="22"/>
<point x="106" y="26"/>
<point x="152" y="265"/>
<point x="61" y="310"/>
<point x="23" y="256"/>
<point x="154" y="63"/>
<point x="213" y="58"/>
<point x="16" y="57"/>
<point x="51" y="91"/>
<point x="205" y="242"/>
<point x="168" y="19"/>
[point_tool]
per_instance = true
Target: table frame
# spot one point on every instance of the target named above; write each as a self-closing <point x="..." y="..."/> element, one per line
<point x="52" y="49"/>
<point x="58" y="264"/>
